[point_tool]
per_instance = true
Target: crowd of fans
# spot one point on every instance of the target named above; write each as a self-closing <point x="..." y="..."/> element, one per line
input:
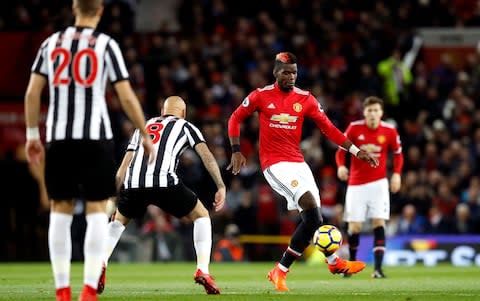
<point x="223" y="50"/>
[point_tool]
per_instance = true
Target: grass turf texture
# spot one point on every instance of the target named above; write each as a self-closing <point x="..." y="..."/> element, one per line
<point x="247" y="281"/>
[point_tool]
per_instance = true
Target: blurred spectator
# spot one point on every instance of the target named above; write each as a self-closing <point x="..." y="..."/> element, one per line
<point x="396" y="78"/>
<point x="229" y="248"/>
<point x="439" y="223"/>
<point x="463" y="222"/>
<point x="410" y="222"/>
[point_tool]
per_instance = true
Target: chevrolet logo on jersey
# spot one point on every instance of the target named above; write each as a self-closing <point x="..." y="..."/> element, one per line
<point x="284" y="118"/>
<point x="371" y="148"/>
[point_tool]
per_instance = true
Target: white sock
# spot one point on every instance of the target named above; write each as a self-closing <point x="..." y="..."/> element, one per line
<point x="94" y="247"/>
<point x="60" y="247"/>
<point x="332" y="259"/>
<point x="282" y="267"/>
<point x="114" y="231"/>
<point x="202" y="240"/>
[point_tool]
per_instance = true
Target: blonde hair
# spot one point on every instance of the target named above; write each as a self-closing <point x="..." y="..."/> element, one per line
<point x="88" y="7"/>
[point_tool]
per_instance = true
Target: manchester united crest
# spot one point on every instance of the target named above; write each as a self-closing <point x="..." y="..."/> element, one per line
<point x="297" y="107"/>
<point x="381" y="139"/>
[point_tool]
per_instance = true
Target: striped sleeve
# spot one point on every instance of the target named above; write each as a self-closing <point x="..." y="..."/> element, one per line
<point x="116" y="67"/>
<point x="40" y="64"/>
<point x="134" y="142"/>
<point x="194" y="135"/>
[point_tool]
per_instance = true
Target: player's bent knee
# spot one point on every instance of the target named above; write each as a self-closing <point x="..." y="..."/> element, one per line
<point x="312" y="219"/>
<point x="307" y="201"/>
<point x="354" y="227"/>
<point x="198" y="211"/>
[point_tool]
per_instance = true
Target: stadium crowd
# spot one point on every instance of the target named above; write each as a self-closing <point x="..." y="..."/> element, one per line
<point x="222" y="50"/>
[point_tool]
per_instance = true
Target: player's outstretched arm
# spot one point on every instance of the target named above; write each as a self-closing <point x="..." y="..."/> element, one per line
<point x="212" y="167"/>
<point x="360" y="154"/>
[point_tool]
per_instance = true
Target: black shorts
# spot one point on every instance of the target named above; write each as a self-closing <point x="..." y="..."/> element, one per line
<point x="80" y="169"/>
<point x="176" y="200"/>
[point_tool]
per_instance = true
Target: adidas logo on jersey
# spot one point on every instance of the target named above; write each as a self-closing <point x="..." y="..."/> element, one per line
<point x="361" y="137"/>
<point x="271" y="106"/>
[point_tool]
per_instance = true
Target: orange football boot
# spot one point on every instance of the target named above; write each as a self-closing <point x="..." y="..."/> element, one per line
<point x="278" y="278"/>
<point x="343" y="266"/>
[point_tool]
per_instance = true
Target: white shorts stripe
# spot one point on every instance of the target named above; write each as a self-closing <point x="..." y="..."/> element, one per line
<point x="292" y="180"/>
<point x="279" y="183"/>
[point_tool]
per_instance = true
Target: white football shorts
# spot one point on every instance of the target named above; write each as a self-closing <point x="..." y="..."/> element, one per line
<point x="292" y="180"/>
<point x="367" y="201"/>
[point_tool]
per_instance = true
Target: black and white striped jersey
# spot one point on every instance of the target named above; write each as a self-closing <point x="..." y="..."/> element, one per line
<point x="170" y="136"/>
<point x="77" y="62"/>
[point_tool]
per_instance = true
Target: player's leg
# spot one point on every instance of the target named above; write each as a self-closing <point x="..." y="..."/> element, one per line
<point x="295" y="182"/>
<point x="130" y="204"/>
<point x="60" y="246"/>
<point x="61" y="189"/>
<point x="202" y="241"/>
<point x="354" y="214"/>
<point x="202" y="235"/>
<point x="181" y="202"/>
<point x="94" y="245"/>
<point x="115" y="229"/>
<point x="111" y="207"/>
<point x="379" y="212"/>
<point x="378" y="247"/>
<point x="311" y="220"/>
<point x="97" y="179"/>
<point x="353" y="237"/>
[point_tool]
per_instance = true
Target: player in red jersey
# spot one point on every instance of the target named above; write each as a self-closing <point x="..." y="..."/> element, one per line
<point x="281" y="109"/>
<point x="367" y="193"/>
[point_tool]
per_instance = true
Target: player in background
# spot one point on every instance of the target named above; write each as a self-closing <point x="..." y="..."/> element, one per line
<point x="157" y="183"/>
<point x="75" y="63"/>
<point x="367" y="194"/>
<point x="281" y="109"/>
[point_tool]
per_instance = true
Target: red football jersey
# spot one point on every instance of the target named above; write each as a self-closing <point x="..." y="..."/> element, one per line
<point x="377" y="141"/>
<point x="281" y="115"/>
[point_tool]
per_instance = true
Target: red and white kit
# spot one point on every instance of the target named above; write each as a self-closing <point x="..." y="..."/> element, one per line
<point x="367" y="186"/>
<point x="281" y="115"/>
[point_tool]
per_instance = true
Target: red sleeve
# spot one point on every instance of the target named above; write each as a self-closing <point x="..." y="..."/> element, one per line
<point x="397" y="153"/>
<point x="317" y="114"/>
<point x="248" y="106"/>
<point x="341" y="153"/>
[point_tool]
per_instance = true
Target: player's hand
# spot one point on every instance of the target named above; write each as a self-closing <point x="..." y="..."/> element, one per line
<point x="395" y="183"/>
<point x="238" y="161"/>
<point x="219" y="199"/>
<point x="148" y="147"/>
<point x="35" y="152"/>
<point x="367" y="157"/>
<point x="342" y="173"/>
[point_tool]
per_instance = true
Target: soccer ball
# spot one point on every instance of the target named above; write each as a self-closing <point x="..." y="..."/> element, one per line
<point x="327" y="239"/>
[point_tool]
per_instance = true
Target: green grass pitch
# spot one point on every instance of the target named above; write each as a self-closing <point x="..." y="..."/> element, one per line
<point x="247" y="281"/>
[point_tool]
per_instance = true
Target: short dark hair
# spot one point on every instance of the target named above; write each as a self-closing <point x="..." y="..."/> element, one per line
<point x="370" y="100"/>
<point x="284" y="58"/>
<point x="88" y="7"/>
